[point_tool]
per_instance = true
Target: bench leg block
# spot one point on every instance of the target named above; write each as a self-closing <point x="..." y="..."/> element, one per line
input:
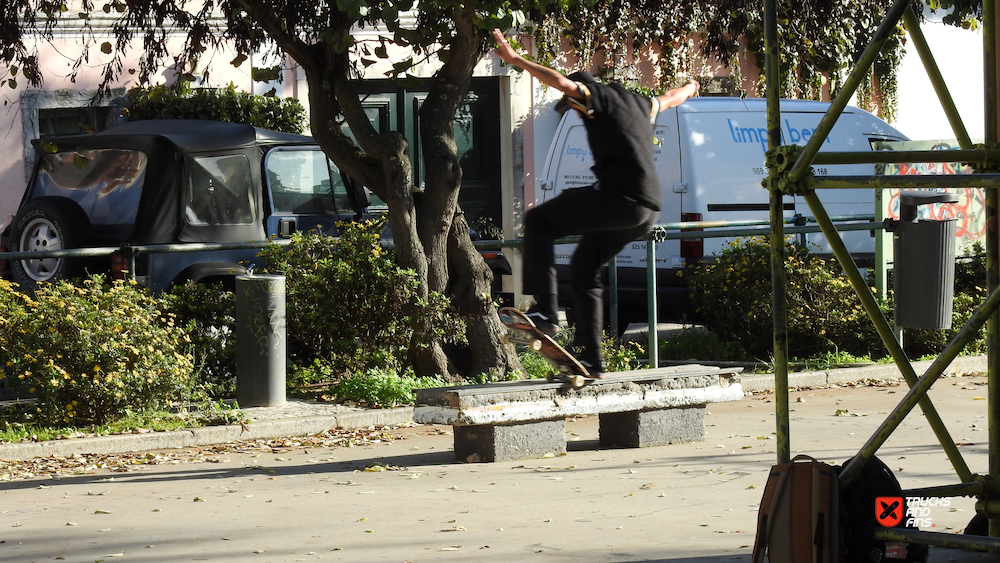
<point x="503" y="442"/>
<point x="641" y="429"/>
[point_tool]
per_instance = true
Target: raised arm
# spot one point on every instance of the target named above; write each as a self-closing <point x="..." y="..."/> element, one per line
<point x="544" y="74"/>
<point x="676" y="96"/>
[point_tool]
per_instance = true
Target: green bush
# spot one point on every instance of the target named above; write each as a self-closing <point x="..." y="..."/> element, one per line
<point x="375" y="387"/>
<point x="220" y="104"/>
<point x="381" y="388"/>
<point x="694" y="344"/>
<point x="825" y="316"/>
<point x="90" y="353"/>
<point x="732" y="296"/>
<point x="206" y="312"/>
<point x="349" y="303"/>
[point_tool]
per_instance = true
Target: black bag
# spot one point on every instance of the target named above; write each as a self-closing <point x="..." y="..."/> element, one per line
<point x="858" y="518"/>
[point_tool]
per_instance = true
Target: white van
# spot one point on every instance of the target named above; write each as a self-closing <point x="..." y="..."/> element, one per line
<point x="710" y="163"/>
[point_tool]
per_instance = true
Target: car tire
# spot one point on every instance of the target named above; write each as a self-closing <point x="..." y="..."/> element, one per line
<point x="49" y="223"/>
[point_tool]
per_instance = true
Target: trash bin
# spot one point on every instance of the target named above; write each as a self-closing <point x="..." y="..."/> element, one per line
<point x="260" y="340"/>
<point x="924" y="264"/>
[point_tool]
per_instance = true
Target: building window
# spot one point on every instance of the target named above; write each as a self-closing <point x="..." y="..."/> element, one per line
<point x="71" y="121"/>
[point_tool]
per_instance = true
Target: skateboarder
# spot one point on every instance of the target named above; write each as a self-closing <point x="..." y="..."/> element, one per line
<point x="622" y="206"/>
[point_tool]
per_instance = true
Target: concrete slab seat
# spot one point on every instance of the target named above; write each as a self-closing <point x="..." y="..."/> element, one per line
<point x="527" y="419"/>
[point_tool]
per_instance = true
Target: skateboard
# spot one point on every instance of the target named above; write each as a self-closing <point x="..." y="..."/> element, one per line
<point x="523" y="331"/>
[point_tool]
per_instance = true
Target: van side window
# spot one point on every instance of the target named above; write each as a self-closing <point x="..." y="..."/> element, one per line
<point x="219" y="191"/>
<point x="302" y="180"/>
<point x="105" y="183"/>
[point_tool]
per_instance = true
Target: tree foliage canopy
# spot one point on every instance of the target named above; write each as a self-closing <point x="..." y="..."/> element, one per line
<point x="819" y="41"/>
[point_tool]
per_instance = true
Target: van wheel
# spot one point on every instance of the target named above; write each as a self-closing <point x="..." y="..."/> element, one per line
<point x="49" y="223"/>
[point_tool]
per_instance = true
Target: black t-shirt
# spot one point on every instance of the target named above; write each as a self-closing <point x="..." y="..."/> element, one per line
<point x="620" y="132"/>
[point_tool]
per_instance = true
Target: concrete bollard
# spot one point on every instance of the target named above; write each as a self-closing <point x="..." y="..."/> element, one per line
<point x="260" y="340"/>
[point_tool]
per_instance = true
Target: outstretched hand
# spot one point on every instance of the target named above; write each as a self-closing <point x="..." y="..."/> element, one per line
<point x="504" y="50"/>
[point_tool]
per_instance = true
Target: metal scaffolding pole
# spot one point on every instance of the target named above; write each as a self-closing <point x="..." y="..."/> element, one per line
<point x="859" y="73"/>
<point x="888" y="338"/>
<point x="937" y="81"/>
<point x="991" y="116"/>
<point x="778" y="300"/>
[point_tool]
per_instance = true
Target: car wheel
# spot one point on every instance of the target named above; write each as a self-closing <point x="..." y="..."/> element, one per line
<point x="48" y="223"/>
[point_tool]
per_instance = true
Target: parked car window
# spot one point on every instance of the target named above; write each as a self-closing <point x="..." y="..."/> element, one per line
<point x="303" y="180"/>
<point x="94" y="178"/>
<point x="219" y="191"/>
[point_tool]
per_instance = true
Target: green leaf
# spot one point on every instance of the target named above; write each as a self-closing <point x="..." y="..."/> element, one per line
<point x="240" y="59"/>
<point x="403" y="66"/>
<point x="353" y="8"/>
<point x="265" y="74"/>
<point x="80" y="161"/>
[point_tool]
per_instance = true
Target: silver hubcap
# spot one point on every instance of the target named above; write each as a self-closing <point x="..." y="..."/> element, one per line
<point x="39" y="235"/>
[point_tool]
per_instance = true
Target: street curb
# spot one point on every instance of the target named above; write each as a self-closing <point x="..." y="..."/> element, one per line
<point x="961" y="365"/>
<point x="263" y="429"/>
<point x="300" y="426"/>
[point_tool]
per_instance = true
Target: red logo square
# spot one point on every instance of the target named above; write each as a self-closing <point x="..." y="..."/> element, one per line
<point x="889" y="511"/>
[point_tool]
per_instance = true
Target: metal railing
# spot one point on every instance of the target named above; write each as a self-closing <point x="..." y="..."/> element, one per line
<point x="688" y="230"/>
<point x="683" y="230"/>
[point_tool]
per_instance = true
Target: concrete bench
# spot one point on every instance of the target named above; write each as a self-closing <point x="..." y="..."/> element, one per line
<point x="526" y="419"/>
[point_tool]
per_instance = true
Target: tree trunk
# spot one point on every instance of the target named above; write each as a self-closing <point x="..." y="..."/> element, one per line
<point x="433" y="239"/>
<point x="455" y="266"/>
<point x="470" y="292"/>
<point x="385" y="168"/>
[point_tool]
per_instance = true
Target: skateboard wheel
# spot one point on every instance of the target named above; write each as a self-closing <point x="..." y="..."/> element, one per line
<point x="577" y="380"/>
<point x="536" y="345"/>
<point x="550" y="376"/>
<point x="505" y="338"/>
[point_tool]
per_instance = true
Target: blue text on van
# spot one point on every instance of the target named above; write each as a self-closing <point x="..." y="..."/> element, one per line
<point x="579" y="152"/>
<point x="759" y="134"/>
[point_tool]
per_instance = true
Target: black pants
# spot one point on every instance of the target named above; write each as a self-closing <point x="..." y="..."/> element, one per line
<point x="608" y="222"/>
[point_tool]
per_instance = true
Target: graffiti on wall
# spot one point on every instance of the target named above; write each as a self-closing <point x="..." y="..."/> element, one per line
<point x="969" y="212"/>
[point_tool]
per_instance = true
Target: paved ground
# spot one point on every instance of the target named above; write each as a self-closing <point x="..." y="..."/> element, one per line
<point x="407" y="499"/>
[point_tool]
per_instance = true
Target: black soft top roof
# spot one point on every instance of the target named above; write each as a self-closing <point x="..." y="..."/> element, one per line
<point x="158" y="219"/>
<point x="188" y="135"/>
